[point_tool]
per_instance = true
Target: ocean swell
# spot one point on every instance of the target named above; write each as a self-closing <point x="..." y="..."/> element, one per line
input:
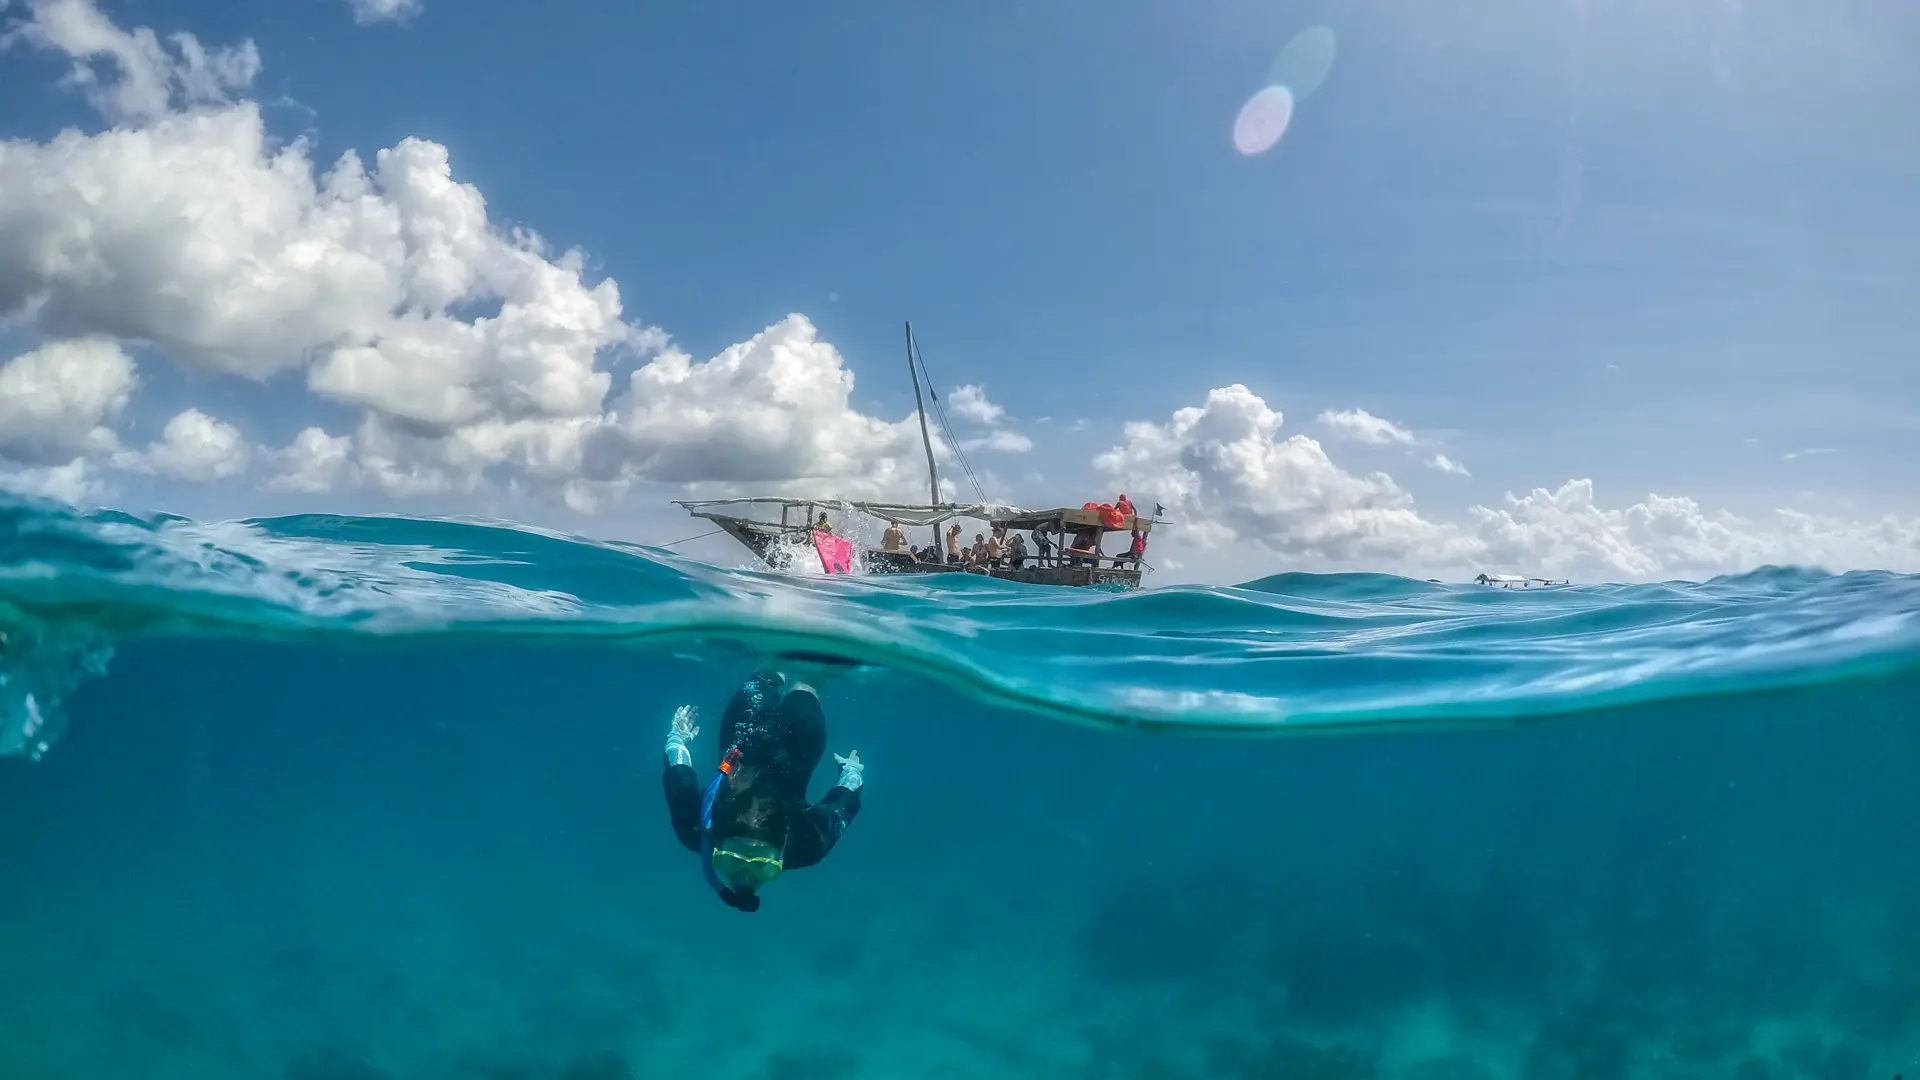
<point x="1289" y="653"/>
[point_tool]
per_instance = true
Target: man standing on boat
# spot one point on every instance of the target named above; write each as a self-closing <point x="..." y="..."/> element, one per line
<point x="894" y="539"/>
<point x="751" y="822"/>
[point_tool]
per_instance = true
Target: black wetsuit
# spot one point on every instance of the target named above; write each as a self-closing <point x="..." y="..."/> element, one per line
<point x="781" y="739"/>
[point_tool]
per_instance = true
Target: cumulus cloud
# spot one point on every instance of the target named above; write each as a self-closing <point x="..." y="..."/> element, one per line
<point x="313" y="463"/>
<point x="367" y="12"/>
<point x="55" y="399"/>
<point x="971" y="403"/>
<point x="196" y="233"/>
<point x="1360" y="425"/>
<point x="73" y="482"/>
<point x="1224" y="470"/>
<point x="1005" y="442"/>
<point x="773" y="408"/>
<point x="473" y="354"/>
<point x="1567" y="530"/>
<point x="143" y="79"/>
<point x="193" y="447"/>
<point x="1233" y="483"/>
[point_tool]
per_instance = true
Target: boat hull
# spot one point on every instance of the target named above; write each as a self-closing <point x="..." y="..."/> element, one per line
<point x="890" y="562"/>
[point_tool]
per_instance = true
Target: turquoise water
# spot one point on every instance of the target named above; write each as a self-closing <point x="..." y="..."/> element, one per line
<point x="331" y="797"/>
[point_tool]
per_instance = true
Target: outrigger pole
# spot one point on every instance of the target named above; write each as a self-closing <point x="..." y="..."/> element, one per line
<point x="933" y="478"/>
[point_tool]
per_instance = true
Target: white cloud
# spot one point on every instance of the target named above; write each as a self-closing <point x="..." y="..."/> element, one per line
<point x="773" y="408"/>
<point x="1566" y="530"/>
<point x="314" y="462"/>
<point x="193" y="447"/>
<point x="146" y="80"/>
<point x="367" y="12"/>
<point x="970" y="403"/>
<point x="1005" y="442"/>
<point x="1360" y="425"/>
<point x="474" y="356"/>
<point x="73" y="482"/>
<point x="771" y="411"/>
<point x="54" y="399"/>
<point x="1447" y="465"/>
<point x="1813" y="452"/>
<point x="1234" y="485"/>
<point x="1225" y="472"/>
<point x="234" y="256"/>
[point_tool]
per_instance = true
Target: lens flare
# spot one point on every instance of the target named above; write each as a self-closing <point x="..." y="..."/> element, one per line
<point x="1305" y="62"/>
<point x="1262" y="120"/>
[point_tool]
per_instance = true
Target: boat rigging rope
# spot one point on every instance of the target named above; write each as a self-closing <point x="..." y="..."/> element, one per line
<point x="690" y="539"/>
<point x="946" y="428"/>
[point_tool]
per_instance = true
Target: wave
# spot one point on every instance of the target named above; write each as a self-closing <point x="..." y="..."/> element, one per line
<point x="1285" y="654"/>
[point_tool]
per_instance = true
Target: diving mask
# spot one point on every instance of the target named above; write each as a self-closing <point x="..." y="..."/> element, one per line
<point x="746" y="864"/>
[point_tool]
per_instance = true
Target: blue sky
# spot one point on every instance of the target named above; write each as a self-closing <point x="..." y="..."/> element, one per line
<point x="1657" y="247"/>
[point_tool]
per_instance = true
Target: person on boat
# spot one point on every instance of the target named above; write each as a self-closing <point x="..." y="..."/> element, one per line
<point x="823" y="525"/>
<point x="994" y="549"/>
<point x="1016" y="550"/>
<point x="1124" y="505"/>
<point x="1135" y="553"/>
<point x="750" y="820"/>
<point x="1043" y="544"/>
<point x="953" y="543"/>
<point x="894" y="539"/>
<point x="1086" y="542"/>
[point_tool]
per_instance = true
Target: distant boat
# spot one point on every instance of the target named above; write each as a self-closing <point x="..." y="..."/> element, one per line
<point x="1510" y="581"/>
<point x="1073" y="534"/>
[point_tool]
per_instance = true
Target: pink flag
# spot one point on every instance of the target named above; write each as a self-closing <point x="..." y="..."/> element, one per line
<point x="836" y="555"/>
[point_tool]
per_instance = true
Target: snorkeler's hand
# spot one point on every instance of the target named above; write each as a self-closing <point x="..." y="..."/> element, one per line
<point x="682" y="733"/>
<point x="683" y="721"/>
<point x="852" y="773"/>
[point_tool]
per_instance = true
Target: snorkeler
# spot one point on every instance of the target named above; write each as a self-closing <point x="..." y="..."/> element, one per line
<point x="751" y="821"/>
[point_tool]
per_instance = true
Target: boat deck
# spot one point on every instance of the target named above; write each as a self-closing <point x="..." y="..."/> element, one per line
<point x="761" y="538"/>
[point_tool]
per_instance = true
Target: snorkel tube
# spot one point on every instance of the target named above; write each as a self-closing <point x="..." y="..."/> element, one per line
<point x="727" y="764"/>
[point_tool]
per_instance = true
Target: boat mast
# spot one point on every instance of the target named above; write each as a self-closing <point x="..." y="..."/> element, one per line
<point x="933" y="478"/>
